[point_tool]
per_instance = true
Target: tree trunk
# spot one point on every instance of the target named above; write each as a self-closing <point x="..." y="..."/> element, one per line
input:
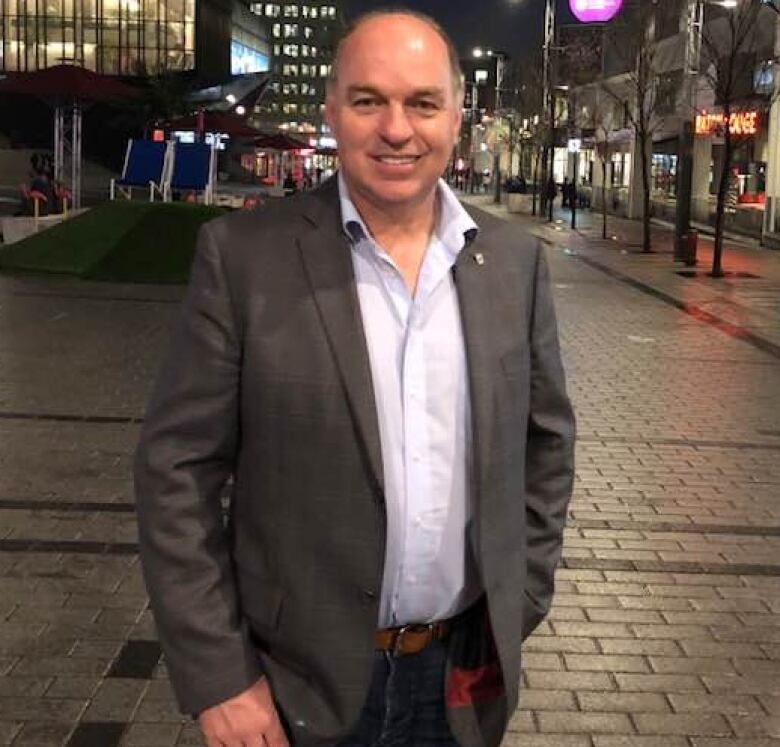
<point x="604" y="197"/>
<point x="646" y="236"/>
<point x="720" y="210"/>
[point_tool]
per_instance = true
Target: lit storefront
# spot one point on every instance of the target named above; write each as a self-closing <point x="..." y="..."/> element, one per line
<point x="125" y="37"/>
<point x="751" y="144"/>
<point x="212" y="38"/>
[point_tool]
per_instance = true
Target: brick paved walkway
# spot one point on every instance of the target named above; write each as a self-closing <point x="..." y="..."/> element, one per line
<point x="666" y="626"/>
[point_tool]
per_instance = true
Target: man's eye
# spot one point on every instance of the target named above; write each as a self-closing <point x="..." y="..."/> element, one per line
<point x="426" y="106"/>
<point x="364" y="103"/>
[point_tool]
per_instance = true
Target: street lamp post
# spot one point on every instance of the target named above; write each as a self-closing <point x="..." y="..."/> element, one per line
<point x="549" y="101"/>
<point x="500" y="58"/>
<point x="473" y="142"/>
<point x="694" y="27"/>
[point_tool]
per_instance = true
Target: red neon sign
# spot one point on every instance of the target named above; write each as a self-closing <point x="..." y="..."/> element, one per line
<point x="740" y="123"/>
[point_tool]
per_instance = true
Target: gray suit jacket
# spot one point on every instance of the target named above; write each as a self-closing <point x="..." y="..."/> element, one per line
<point x="267" y="380"/>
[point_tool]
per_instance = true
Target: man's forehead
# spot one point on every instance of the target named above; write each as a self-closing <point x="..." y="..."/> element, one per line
<point x="383" y="64"/>
<point x="366" y="87"/>
<point x="393" y="34"/>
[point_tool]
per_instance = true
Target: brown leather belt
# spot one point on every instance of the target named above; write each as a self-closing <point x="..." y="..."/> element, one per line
<point x="410" y="639"/>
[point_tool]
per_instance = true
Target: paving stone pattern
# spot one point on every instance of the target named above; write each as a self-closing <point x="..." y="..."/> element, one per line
<point x="665" y="630"/>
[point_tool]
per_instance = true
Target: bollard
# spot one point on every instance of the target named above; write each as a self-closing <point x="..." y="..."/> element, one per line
<point x="691" y="243"/>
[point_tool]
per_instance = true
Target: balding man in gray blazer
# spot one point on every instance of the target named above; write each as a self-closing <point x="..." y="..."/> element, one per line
<point x="378" y="370"/>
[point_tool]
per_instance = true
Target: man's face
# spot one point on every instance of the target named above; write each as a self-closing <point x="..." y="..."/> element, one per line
<point x="394" y="111"/>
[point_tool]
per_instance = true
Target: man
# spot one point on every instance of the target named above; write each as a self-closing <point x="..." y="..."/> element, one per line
<point x="381" y="377"/>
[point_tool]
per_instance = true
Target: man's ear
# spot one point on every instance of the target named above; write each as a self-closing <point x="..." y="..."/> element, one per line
<point x="458" y="124"/>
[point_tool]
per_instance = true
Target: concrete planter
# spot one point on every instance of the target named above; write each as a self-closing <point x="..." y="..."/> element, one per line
<point x="18" y="228"/>
<point x="516" y="202"/>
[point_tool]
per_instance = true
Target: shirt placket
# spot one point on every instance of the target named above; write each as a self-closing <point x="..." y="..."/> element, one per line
<point x="416" y="456"/>
<point x="402" y="304"/>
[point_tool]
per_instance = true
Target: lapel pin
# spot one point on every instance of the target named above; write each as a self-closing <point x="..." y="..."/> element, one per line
<point x="479" y="258"/>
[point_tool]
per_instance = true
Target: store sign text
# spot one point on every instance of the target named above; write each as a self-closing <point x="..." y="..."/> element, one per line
<point x="740" y="123"/>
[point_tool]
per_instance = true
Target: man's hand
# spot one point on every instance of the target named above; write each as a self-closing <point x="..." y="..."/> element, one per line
<point x="247" y="720"/>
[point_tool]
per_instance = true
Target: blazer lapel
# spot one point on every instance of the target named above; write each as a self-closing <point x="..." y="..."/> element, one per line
<point x="328" y="265"/>
<point x="476" y="288"/>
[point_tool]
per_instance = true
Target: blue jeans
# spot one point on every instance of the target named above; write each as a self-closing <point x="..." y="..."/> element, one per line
<point x="405" y="704"/>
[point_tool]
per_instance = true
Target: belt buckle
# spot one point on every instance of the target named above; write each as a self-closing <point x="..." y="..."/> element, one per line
<point x="404" y="629"/>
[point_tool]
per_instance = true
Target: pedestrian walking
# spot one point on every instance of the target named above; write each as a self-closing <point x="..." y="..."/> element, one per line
<point x="401" y="464"/>
<point x="552" y="191"/>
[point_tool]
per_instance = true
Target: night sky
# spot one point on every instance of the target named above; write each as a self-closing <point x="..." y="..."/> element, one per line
<point x="508" y="25"/>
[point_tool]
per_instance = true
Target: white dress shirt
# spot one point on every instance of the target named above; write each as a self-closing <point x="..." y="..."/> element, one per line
<point x="420" y="377"/>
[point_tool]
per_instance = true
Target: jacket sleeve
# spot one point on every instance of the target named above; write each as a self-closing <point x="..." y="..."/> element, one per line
<point x="186" y="453"/>
<point x="549" y="465"/>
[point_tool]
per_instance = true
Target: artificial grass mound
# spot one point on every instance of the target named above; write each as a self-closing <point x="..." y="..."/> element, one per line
<point x="133" y="242"/>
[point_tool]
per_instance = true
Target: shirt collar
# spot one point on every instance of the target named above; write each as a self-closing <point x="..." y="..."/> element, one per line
<point x="455" y="227"/>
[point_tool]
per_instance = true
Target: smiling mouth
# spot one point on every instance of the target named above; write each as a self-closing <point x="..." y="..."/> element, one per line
<point x="397" y="160"/>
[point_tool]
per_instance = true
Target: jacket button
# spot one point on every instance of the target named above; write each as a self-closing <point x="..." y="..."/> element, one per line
<point x="368" y="596"/>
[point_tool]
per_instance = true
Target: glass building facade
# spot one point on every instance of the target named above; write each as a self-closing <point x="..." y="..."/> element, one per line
<point x="121" y="37"/>
<point x="304" y="34"/>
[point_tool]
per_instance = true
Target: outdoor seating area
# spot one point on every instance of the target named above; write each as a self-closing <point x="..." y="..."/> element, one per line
<point x="172" y="170"/>
<point x="146" y="166"/>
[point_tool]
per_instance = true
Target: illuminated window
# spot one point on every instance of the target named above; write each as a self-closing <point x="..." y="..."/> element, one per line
<point x="132" y="41"/>
<point x="313" y="13"/>
<point x="324" y="70"/>
<point x="271" y="10"/>
<point x="290" y="107"/>
<point x="277" y="49"/>
<point x="304" y="88"/>
<point x="290" y="29"/>
<point x="290" y="50"/>
<point x="308" y="32"/>
<point x="290" y="71"/>
<point x="290" y="11"/>
<point x="276" y="30"/>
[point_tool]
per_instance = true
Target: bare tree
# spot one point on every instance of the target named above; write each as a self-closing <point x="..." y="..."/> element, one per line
<point x="729" y="46"/>
<point x="528" y="104"/>
<point x="634" y="41"/>
<point x="598" y="118"/>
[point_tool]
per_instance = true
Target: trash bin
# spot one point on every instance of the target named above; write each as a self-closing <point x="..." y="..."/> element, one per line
<point x="691" y="243"/>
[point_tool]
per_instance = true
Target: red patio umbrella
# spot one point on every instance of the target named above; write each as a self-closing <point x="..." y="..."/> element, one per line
<point x="279" y="141"/>
<point x="69" y="82"/>
<point x="224" y="122"/>
<point x="67" y="87"/>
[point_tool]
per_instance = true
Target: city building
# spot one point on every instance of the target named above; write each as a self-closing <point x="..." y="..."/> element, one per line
<point x="304" y="35"/>
<point x="489" y="132"/>
<point x="602" y="117"/>
<point x="211" y="39"/>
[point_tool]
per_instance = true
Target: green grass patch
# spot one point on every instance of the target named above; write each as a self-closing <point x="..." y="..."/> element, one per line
<point x="131" y="242"/>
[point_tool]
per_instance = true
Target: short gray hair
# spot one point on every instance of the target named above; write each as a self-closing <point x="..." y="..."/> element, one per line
<point x="452" y="52"/>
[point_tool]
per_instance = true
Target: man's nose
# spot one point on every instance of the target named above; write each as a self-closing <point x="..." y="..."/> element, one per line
<point x="394" y="125"/>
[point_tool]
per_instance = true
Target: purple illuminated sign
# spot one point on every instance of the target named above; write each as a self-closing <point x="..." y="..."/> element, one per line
<point x="595" y="11"/>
